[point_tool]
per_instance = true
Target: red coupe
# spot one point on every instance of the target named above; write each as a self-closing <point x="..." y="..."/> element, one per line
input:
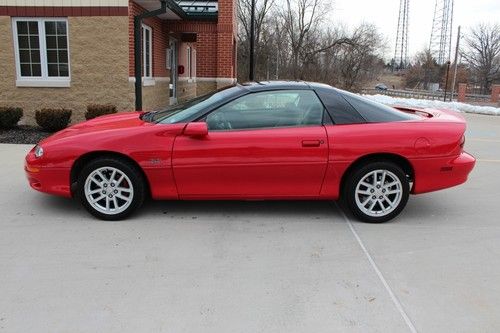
<point x="257" y="141"/>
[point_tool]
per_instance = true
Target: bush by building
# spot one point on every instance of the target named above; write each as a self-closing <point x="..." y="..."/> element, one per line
<point x="53" y="120"/>
<point x="10" y="116"/>
<point x="97" y="110"/>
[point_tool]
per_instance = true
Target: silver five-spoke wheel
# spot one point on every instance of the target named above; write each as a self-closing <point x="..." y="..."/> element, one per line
<point x="378" y="193"/>
<point x="109" y="190"/>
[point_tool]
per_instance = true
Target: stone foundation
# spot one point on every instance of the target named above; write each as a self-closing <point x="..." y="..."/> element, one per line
<point x="204" y="87"/>
<point x="157" y="96"/>
<point x="186" y="90"/>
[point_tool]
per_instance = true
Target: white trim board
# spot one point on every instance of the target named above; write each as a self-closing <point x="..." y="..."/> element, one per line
<point x="147" y="80"/>
<point x="187" y="79"/>
<point x="217" y="79"/>
<point x="43" y="83"/>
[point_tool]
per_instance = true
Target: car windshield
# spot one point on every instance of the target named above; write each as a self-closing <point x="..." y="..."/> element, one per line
<point x="182" y="112"/>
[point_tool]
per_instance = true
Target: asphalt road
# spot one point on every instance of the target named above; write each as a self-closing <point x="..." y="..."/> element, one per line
<point x="254" y="266"/>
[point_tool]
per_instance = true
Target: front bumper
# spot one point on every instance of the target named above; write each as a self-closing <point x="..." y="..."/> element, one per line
<point x="47" y="179"/>
<point x="440" y="173"/>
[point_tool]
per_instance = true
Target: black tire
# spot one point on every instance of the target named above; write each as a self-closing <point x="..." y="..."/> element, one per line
<point x="137" y="183"/>
<point x="349" y="192"/>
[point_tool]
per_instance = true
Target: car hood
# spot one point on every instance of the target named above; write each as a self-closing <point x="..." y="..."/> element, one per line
<point x="119" y="121"/>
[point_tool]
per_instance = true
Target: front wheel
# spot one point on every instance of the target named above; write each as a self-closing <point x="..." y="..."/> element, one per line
<point x="377" y="192"/>
<point x="111" y="188"/>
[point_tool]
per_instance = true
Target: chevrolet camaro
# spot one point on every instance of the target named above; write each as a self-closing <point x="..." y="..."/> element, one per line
<point x="257" y="141"/>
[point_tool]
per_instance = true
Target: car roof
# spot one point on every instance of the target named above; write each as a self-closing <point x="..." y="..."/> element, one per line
<point x="278" y="85"/>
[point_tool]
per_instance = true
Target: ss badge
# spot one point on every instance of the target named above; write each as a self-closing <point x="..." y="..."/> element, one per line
<point x="155" y="161"/>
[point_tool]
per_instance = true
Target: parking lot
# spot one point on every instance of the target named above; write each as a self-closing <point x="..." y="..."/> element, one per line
<point x="254" y="266"/>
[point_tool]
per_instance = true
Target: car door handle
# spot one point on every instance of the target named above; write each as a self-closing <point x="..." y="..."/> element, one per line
<point x="311" y="143"/>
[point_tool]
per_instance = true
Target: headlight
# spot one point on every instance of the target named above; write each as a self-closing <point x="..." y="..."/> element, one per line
<point x="38" y="151"/>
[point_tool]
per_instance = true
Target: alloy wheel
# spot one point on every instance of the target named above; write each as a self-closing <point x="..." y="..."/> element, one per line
<point x="109" y="190"/>
<point x="378" y="193"/>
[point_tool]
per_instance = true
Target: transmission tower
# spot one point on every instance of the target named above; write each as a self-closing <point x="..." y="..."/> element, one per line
<point x="401" y="50"/>
<point x="442" y="25"/>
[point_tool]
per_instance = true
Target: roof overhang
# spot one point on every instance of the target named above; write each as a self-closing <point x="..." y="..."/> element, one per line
<point x="171" y="14"/>
<point x="183" y="10"/>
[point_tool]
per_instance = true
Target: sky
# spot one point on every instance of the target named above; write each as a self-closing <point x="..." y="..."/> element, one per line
<point x="384" y="14"/>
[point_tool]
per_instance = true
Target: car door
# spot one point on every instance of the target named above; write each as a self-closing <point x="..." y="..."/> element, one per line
<point x="268" y="144"/>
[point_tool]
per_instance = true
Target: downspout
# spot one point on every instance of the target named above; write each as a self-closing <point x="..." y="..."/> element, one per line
<point x="137" y="50"/>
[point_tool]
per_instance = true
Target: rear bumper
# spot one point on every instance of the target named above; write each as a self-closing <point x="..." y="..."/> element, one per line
<point x="440" y="173"/>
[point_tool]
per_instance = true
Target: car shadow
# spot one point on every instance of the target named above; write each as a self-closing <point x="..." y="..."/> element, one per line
<point x="65" y="208"/>
<point x="418" y="208"/>
<point x="425" y="208"/>
<point x="241" y="209"/>
<point x="58" y="206"/>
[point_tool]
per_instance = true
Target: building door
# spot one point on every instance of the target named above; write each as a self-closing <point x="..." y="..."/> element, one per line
<point x="173" y="70"/>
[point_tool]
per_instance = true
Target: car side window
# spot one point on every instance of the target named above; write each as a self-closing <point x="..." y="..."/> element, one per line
<point x="269" y="109"/>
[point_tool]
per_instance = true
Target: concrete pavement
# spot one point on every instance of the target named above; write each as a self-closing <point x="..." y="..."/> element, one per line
<point x="254" y="266"/>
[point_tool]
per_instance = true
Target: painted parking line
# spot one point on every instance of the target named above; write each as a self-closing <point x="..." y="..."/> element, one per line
<point x="393" y="297"/>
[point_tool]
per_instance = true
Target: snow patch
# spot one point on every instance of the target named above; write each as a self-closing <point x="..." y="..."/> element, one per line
<point x="435" y="104"/>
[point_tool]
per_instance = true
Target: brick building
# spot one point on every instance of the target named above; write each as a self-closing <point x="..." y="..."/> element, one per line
<point x="71" y="53"/>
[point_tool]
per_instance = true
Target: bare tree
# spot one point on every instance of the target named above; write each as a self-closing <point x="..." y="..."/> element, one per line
<point x="262" y="9"/>
<point x="295" y="42"/>
<point x="360" y="57"/>
<point x="482" y="54"/>
<point x="423" y="71"/>
<point x="302" y="22"/>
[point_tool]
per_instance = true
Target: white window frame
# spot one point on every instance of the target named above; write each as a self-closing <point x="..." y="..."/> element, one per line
<point x="44" y="80"/>
<point x="150" y="76"/>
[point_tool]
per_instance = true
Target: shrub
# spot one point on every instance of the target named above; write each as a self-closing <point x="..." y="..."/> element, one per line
<point x="96" y="110"/>
<point x="53" y="120"/>
<point x="9" y="116"/>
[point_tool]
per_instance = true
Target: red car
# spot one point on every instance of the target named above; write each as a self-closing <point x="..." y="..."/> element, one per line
<point x="272" y="140"/>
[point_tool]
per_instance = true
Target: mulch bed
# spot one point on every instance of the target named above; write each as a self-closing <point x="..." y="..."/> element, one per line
<point x="23" y="134"/>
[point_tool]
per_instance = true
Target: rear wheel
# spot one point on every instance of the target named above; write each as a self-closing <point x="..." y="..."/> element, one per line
<point x="110" y="188"/>
<point x="377" y="192"/>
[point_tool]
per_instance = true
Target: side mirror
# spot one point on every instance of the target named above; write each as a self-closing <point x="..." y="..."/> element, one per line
<point x="196" y="129"/>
